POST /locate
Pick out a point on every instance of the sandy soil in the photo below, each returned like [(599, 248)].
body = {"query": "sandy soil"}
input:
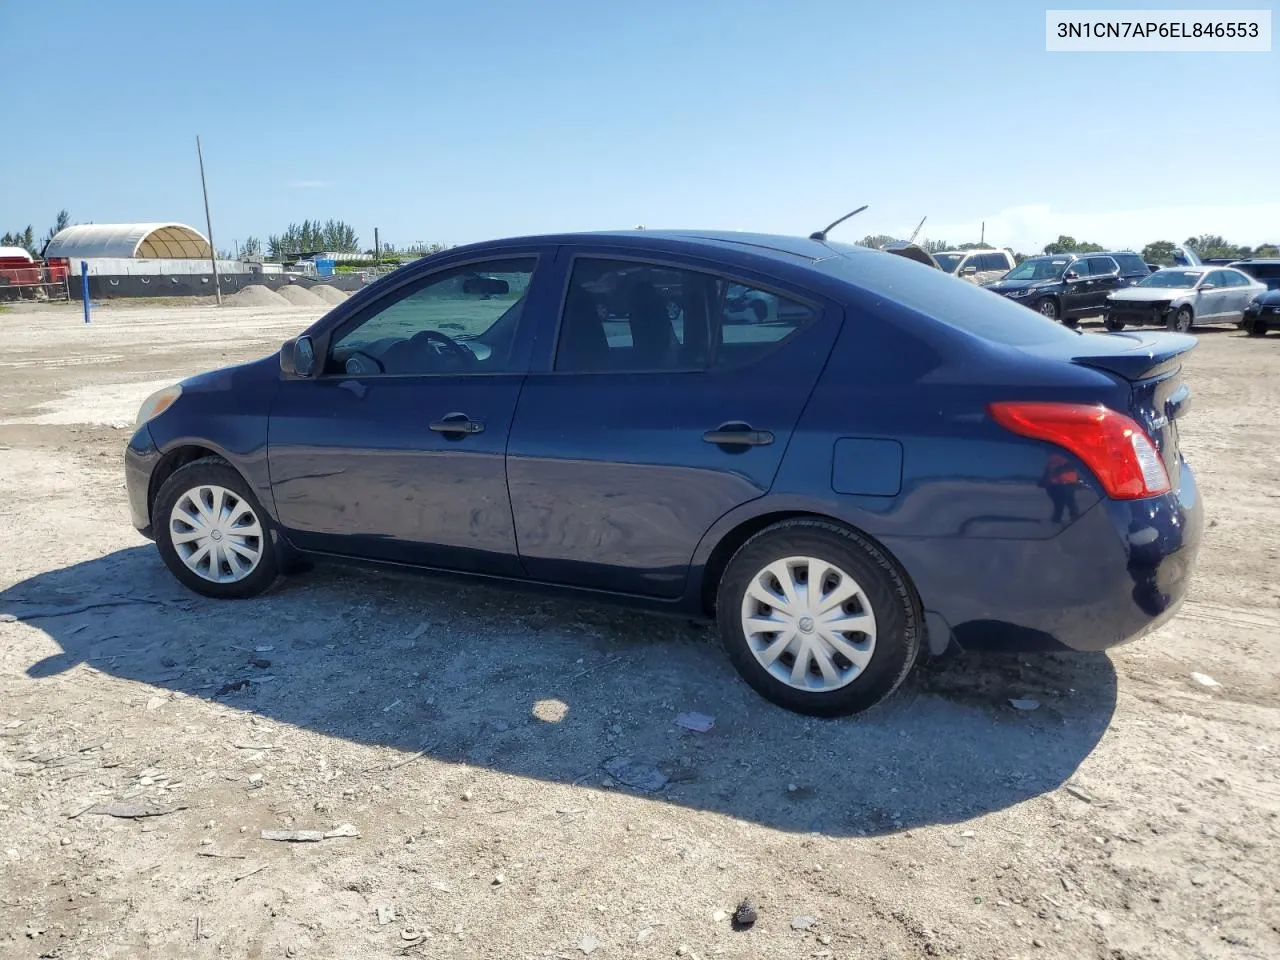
[(462, 732)]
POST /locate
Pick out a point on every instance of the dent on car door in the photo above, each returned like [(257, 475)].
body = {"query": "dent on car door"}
[(655, 418), (396, 450)]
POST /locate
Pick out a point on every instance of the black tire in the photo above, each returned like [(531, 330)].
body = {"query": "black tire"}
[(1180, 321), (1115, 326), (216, 472), (891, 597), (1047, 307), (1256, 328)]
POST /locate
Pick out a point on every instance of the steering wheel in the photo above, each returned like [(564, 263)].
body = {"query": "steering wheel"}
[(452, 348)]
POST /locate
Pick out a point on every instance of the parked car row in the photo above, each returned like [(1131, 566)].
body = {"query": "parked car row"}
[(1123, 290)]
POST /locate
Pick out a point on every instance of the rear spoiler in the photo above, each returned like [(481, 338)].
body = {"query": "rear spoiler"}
[(1135, 356)]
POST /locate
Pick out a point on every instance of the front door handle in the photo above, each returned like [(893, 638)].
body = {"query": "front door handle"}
[(737, 434), (457, 425)]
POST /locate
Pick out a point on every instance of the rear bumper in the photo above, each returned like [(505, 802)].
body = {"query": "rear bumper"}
[(1118, 572), (140, 459)]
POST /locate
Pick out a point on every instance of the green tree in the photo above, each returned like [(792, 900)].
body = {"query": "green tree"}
[(875, 241), (1211, 246), (1267, 250), (1159, 251), (935, 246), (252, 247), (60, 223), (1068, 244), (20, 238)]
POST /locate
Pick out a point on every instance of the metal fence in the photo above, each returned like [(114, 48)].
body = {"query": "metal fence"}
[(34, 283)]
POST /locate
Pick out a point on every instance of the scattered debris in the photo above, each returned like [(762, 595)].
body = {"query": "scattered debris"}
[(232, 687), (633, 773), (588, 945), (264, 648), (719, 916), (133, 811), (643, 934), (1078, 793), (310, 836), (155, 703), (583, 673), (294, 836), (386, 913), (220, 856), (745, 917), (1025, 704), (259, 662), (498, 880), (250, 873), (1205, 680), (802, 923), (417, 632), (254, 746), (697, 722), (792, 788)]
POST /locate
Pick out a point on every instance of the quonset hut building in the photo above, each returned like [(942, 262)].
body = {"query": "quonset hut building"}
[(149, 260)]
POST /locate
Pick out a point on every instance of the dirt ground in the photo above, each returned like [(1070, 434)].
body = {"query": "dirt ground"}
[(462, 732)]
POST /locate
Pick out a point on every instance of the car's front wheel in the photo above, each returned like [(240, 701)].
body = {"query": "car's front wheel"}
[(1112, 324), (1180, 321), (1047, 307), (817, 619), (212, 532), (1255, 328)]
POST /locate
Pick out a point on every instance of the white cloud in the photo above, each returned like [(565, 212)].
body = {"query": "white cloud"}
[(1028, 228), (310, 184)]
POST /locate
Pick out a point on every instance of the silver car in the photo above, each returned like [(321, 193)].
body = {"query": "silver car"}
[(1179, 297)]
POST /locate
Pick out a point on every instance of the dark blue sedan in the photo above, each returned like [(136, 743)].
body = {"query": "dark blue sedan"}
[(846, 458)]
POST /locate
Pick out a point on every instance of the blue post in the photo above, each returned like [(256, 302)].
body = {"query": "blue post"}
[(84, 288)]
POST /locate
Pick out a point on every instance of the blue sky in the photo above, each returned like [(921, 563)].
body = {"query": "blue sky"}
[(455, 122)]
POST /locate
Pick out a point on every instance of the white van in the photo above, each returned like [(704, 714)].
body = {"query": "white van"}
[(976, 266)]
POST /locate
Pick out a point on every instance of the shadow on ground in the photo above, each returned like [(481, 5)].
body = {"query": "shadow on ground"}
[(553, 689)]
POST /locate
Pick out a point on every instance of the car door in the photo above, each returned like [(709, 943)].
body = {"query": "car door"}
[(1242, 292), (395, 450), (1213, 296), (654, 420), (1104, 278), (1076, 288)]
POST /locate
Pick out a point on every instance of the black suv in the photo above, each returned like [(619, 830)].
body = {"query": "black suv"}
[(1263, 313), (1068, 286)]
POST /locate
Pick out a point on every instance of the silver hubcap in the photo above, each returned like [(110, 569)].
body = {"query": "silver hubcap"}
[(1048, 309), (809, 624), (216, 534)]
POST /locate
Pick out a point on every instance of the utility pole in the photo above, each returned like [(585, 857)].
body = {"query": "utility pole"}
[(377, 253), (983, 238), (208, 223)]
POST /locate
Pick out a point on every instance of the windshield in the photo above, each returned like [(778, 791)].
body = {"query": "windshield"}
[(1171, 278), (1038, 269), (948, 261)]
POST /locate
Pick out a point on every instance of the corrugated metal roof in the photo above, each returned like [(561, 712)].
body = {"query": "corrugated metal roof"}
[(129, 240)]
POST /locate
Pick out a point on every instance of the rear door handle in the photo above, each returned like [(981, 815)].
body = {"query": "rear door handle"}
[(457, 424), (738, 435)]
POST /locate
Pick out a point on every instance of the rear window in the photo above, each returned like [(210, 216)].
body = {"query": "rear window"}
[(964, 306), (1131, 265)]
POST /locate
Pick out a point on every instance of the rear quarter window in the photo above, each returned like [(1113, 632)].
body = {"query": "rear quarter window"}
[(1132, 265), (964, 306)]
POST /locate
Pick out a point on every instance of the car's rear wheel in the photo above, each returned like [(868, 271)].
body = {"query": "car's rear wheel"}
[(212, 533), (1047, 307), (1112, 324), (1180, 320), (817, 619)]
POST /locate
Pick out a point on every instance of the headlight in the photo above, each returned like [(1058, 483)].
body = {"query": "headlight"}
[(1024, 293), (157, 403)]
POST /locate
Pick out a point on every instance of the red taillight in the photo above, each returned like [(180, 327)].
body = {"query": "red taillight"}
[(1113, 446)]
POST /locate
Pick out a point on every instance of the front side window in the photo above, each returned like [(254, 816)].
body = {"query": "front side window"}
[(1218, 278), (628, 316), (1101, 266), (1080, 268), (462, 320)]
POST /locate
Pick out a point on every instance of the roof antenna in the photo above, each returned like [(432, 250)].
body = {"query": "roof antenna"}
[(821, 235)]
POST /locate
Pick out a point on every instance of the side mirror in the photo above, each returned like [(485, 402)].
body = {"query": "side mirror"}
[(966, 271), (485, 287), (298, 357), (1071, 275), (1208, 286)]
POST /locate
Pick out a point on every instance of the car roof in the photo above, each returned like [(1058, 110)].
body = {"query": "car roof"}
[(774, 246), (1268, 261)]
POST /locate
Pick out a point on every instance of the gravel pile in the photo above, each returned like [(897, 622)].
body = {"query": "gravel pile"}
[(255, 295), (300, 296), (328, 294)]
